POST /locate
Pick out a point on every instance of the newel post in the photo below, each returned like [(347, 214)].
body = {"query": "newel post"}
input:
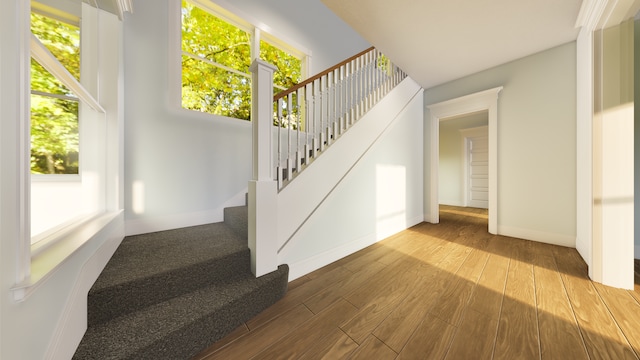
[(263, 189)]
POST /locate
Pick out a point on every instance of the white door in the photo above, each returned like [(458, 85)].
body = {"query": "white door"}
[(478, 171)]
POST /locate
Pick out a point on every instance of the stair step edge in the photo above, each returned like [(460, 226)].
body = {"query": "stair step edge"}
[(108, 302), (183, 326)]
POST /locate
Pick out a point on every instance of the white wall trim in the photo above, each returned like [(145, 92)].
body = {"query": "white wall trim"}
[(483, 100), (539, 236), (590, 13), (308, 265), (73, 321), (150, 224), (584, 146), (313, 263), (56, 255)]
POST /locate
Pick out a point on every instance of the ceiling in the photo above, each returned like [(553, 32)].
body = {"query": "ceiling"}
[(436, 41)]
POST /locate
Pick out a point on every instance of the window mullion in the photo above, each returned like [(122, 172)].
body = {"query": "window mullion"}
[(45, 58), (57, 96)]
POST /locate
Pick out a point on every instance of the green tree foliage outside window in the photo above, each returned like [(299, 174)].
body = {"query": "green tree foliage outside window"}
[(216, 57), (54, 108), (289, 67)]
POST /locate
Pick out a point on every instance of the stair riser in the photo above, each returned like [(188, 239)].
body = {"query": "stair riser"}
[(237, 219), (123, 299), (151, 334), (202, 333)]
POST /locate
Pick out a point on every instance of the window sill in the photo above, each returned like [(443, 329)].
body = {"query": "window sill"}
[(63, 247)]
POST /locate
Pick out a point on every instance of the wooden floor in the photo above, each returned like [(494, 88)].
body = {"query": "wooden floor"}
[(447, 291)]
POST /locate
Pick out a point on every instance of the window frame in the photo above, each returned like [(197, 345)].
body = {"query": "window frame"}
[(35, 264), (69, 19), (41, 54), (256, 29)]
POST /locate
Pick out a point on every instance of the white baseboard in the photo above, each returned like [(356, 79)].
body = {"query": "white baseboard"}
[(539, 236), (315, 262), (637, 252), (175, 221), (73, 321)]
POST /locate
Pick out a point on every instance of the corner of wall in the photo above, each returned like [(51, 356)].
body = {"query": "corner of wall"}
[(175, 221)]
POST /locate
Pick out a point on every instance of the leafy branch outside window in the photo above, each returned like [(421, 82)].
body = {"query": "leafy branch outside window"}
[(54, 108)]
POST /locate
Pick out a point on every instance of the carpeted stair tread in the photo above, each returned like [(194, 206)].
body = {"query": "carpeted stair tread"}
[(181, 327), (161, 252), (237, 218), (155, 267)]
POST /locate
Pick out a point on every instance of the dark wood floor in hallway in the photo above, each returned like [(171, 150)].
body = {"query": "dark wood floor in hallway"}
[(446, 291)]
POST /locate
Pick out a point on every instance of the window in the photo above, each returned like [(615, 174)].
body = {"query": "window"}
[(67, 153), (54, 108), (216, 56)]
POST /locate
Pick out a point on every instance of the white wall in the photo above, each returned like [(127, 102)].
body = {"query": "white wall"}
[(183, 167), (451, 174), (379, 196), (536, 142), (636, 129), (308, 23)]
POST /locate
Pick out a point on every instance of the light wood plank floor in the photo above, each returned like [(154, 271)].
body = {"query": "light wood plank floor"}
[(446, 291)]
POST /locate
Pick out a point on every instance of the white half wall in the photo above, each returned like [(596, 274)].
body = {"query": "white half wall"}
[(367, 197), (536, 141), (183, 167), (636, 129)]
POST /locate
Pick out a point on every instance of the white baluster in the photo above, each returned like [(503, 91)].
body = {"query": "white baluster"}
[(289, 150), (349, 94), (299, 109), (317, 121), (329, 100), (279, 169), (308, 125), (336, 102), (323, 111), (341, 99)]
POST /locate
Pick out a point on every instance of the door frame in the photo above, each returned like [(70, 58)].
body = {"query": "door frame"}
[(486, 100)]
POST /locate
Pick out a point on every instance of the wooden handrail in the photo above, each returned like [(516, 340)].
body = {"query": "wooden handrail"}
[(319, 75)]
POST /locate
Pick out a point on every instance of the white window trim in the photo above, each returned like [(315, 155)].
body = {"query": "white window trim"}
[(45, 58), (229, 13), (35, 264)]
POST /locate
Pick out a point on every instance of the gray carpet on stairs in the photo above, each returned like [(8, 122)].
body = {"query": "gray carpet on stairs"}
[(170, 294)]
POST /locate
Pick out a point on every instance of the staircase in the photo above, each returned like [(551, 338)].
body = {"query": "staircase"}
[(313, 114), (170, 294)]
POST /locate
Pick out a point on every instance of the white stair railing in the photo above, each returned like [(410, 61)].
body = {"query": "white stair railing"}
[(312, 115)]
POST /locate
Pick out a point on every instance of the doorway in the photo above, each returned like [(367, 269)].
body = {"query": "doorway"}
[(464, 161), (482, 101), (476, 166)]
